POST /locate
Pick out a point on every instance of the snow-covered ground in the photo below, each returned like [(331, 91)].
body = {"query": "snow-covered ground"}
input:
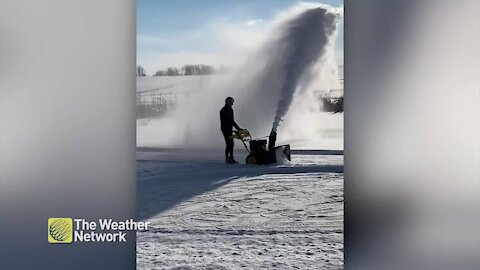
[(208, 215)]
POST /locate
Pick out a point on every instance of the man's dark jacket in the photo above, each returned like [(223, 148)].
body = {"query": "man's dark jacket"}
[(226, 120)]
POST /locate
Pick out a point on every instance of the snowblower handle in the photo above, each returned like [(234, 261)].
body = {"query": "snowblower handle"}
[(242, 134)]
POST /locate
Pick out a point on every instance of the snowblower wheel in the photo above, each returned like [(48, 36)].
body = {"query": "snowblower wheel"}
[(251, 159)]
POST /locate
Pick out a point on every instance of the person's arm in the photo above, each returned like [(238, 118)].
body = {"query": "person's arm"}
[(236, 126)]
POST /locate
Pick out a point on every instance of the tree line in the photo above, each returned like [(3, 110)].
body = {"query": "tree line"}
[(185, 70)]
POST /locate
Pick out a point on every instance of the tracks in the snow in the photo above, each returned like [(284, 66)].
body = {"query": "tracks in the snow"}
[(326, 231)]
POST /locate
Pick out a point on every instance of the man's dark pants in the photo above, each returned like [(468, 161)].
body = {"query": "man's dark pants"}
[(229, 143)]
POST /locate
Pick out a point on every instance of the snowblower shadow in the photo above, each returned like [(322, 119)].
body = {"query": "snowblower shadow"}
[(164, 181)]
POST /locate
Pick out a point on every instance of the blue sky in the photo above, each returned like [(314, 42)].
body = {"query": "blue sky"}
[(168, 31)]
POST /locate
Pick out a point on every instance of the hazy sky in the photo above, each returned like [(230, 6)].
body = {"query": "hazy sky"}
[(174, 33)]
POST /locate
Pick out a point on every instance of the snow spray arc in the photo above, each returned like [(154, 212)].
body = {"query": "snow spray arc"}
[(305, 44), (283, 66)]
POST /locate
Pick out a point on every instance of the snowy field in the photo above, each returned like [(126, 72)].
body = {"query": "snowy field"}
[(205, 214), (209, 215)]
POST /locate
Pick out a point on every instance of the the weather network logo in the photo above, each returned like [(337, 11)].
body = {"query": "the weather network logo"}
[(68, 230), (60, 230)]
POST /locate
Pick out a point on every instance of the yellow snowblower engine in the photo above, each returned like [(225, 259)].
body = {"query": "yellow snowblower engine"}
[(259, 153)]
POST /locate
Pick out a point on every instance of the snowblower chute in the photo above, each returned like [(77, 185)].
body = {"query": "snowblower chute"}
[(259, 153)]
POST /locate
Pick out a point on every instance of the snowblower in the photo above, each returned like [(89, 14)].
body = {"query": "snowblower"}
[(259, 154)]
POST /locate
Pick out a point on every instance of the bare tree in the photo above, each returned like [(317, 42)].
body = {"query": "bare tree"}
[(141, 71), (198, 70), (160, 73)]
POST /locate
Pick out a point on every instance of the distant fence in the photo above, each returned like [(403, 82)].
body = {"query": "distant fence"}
[(332, 101), (155, 104)]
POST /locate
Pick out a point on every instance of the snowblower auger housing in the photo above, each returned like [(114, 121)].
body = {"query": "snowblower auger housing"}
[(259, 154)]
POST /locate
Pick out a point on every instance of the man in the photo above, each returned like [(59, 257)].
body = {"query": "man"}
[(227, 123)]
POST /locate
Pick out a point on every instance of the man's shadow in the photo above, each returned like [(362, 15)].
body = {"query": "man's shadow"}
[(172, 182)]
